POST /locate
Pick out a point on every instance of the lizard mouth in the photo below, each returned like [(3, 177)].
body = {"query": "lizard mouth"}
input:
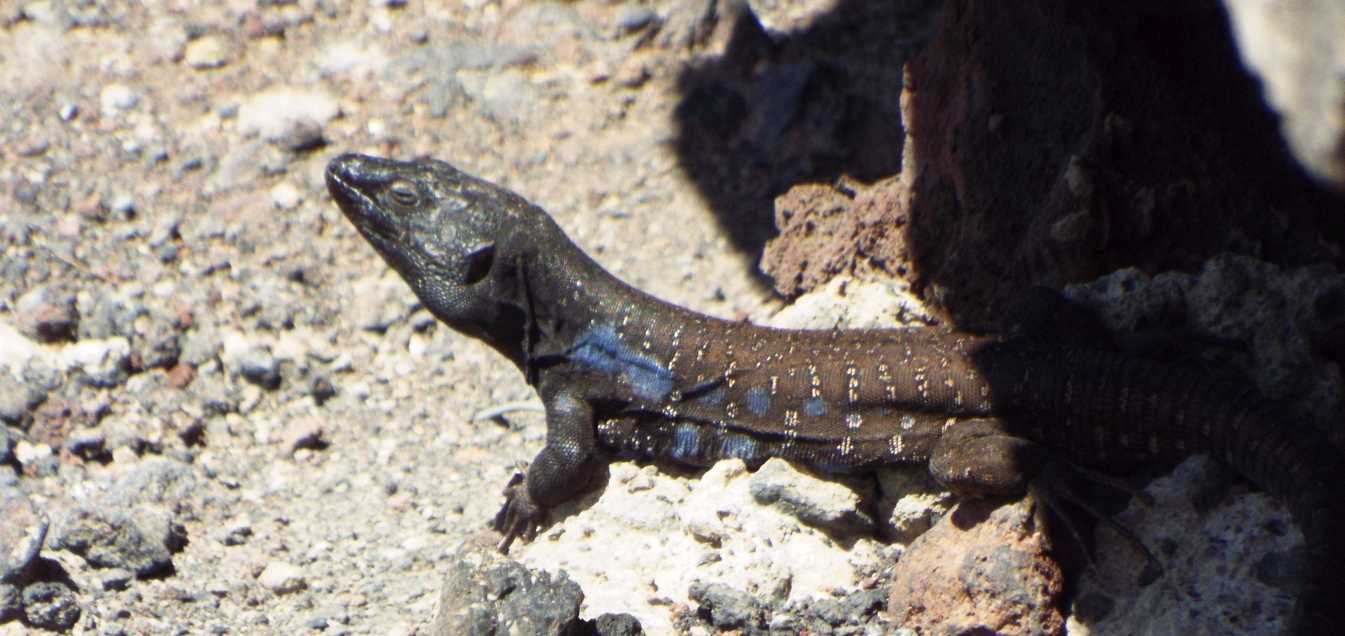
[(345, 176)]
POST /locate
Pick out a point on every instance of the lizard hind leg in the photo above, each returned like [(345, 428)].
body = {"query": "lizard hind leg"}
[(979, 458)]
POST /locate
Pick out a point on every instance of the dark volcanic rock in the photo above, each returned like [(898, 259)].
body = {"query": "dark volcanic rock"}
[(21, 534), (50, 605), (485, 594), (47, 313)]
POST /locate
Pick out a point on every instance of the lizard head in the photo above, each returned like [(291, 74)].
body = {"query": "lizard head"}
[(438, 227)]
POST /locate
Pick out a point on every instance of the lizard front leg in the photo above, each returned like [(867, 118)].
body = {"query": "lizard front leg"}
[(562, 469)]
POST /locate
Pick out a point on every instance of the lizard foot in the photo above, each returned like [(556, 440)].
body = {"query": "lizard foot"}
[(519, 517), (1053, 488)]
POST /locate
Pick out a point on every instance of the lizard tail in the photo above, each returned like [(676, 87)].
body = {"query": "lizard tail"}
[(1294, 461), (1313, 489), (1297, 463), (1291, 460)]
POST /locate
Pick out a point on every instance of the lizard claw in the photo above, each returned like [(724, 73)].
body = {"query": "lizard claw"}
[(519, 517)]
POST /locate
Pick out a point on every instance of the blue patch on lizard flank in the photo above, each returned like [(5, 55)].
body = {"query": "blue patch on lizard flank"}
[(601, 349), (686, 443), (814, 407), (713, 397), (758, 401), (740, 447)]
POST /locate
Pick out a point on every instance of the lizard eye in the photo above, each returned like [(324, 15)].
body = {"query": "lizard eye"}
[(403, 192)]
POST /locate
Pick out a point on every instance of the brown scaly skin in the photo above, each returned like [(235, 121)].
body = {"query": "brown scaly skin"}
[(621, 372)]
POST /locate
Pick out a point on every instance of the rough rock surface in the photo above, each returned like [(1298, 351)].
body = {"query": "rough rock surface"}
[(1296, 49), (245, 367), (21, 534), (983, 568), (1198, 512), (485, 594), (1034, 154), (640, 544)]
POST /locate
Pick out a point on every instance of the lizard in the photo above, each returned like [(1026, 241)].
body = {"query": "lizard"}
[(622, 373)]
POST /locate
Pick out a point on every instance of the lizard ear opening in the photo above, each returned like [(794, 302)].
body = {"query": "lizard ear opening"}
[(479, 260)]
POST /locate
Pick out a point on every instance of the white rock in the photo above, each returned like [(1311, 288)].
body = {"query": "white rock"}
[(117, 98), (272, 112), (285, 196), (282, 578), (27, 452), (209, 51), (15, 348)]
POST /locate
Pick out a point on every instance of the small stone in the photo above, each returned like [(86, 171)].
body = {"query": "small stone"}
[(180, 375), (285, 196), (115, 579), (47, 313), (88, 443), (21, 534), (288, 116), (116, 98), (253, 361), (237, 534), (816, 502), (68, 111), (16, 350), (29, 453), (282, 578), (50, 605), (17, 400), (100, 363), (140, 540), (303, 432), (209, 51), (631, 17), (11, 603)]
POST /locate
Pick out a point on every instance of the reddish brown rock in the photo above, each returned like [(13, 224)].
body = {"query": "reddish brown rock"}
[(982, 569), (1050, 142)]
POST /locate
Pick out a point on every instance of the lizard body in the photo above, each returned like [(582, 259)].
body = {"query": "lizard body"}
[(620, 371)]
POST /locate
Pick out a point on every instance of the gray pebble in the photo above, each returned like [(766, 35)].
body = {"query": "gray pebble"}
[(86, 443), (303, 432), (251, 360), (50, 605), (729, 609), (139, 540), (106, 316), (47, 313), (156, 346), (199, 346), (155, 480), (300, 135), (237, 534), (21, 534), (632, 17), (18, 400), (11, 602), (816, 502), (99, 363), (282, 578), (485, 594), (209, 51), (115, 579)]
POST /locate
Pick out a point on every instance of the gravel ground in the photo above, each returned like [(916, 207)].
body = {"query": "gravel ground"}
[(219, 396)]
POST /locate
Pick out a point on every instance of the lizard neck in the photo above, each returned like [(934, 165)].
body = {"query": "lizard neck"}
[(568, 294)]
